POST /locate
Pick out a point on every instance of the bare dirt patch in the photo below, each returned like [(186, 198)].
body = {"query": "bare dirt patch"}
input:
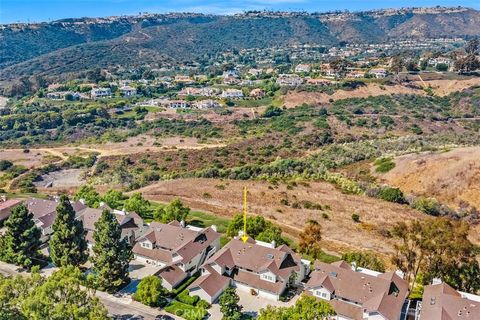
[(445, 87), (224, 198), (441, 87), (33, 159), (293, 99)]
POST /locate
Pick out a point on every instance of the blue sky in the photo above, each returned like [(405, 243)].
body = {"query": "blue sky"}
[(46, 10)]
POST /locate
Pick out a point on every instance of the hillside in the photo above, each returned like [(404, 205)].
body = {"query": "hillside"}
[(75, 45), (451, 177), (224, 198)]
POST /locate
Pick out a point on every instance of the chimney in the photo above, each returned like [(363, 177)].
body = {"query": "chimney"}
[(274, 244), (214, 227), (354, 266), (436, 281), (82, 201), (182, 223), (4, 198)]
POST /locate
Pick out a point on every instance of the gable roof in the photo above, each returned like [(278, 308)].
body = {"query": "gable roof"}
[(8, 204), (171, 239), (385, 293), (253, 257), (442, 302)]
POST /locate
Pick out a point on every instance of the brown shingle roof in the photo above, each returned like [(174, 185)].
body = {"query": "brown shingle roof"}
[(9, 203), (170, 239), (172, 274), (443, 302), (212, 283), (385, 293), (257, 258)]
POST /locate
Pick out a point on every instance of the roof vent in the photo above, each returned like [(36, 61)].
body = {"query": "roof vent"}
[(333, 274), (269, 256)]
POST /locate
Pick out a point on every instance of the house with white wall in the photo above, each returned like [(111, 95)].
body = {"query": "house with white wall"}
[(256, 267), (357, 293), (177, 248)]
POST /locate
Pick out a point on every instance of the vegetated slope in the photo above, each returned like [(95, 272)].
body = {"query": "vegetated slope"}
[(340, 232), (451, 177), (79, 44)]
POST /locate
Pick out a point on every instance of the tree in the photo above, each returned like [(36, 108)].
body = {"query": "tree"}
[(111, 254), (150, 291), (59, 296), (21, 241), (442, 67), (229, 305), (272, 111), (175, 210), (67, 245), (89, 195), (436, 248), (113, 198), (138, 204), (305, 308), (310, 238), (470, 62), (257, 227), (339, 66), (365, 260), (5, 164)]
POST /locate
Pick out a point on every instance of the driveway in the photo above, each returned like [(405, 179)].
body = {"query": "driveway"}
[(251, 304), (138, 270)]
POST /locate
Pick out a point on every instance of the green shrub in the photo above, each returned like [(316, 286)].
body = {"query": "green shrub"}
[(384, 165), (391, 194), (187, 299), (5, 164), (356, 217)]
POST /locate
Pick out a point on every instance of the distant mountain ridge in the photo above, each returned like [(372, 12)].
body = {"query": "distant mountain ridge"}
[(74, 45)]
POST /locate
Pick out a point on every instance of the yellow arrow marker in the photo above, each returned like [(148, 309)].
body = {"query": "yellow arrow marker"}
[(245, 237)]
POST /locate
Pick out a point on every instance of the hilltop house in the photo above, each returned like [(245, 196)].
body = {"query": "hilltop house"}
[(303, 68), (206, 104), (177, 248), (257, 93), (256, 267), (440, 301), (232, 94), (378, 73), (289, 80), (127, 91), (357, 293), (100, 93), (176, 104)]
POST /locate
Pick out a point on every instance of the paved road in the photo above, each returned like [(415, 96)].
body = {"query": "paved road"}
[(119, 308)]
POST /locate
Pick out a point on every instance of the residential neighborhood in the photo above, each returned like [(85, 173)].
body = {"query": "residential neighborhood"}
[(180, 254)]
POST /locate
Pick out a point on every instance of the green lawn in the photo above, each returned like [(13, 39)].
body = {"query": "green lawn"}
[(202, 219), (199, 219)]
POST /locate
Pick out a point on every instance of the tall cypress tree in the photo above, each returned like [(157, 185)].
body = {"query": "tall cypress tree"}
[(67, 245), (111, 254), (21, 241)]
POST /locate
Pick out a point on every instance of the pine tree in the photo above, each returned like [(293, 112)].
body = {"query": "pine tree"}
[(21, 241), (111, 254), (67, 245)]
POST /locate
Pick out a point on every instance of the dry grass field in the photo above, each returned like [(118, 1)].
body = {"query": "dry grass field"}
[(451, 177), (224, 198), (439, 87)]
